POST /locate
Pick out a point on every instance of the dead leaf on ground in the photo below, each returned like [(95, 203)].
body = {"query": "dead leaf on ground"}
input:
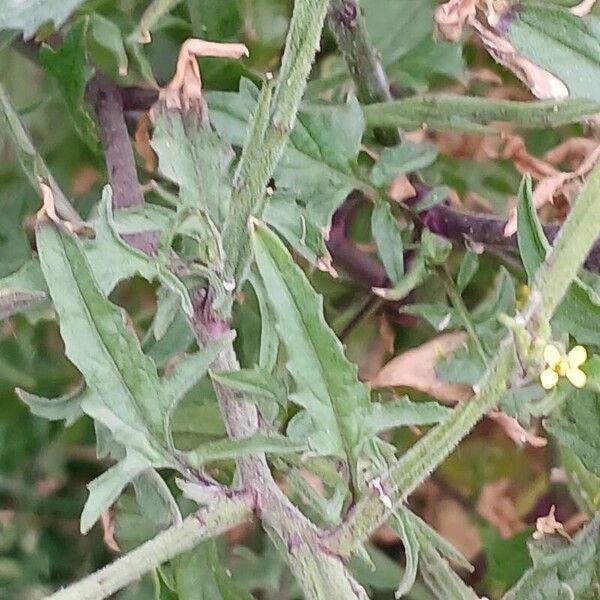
[(483, 16), (142, 142), (416, 369), (448, 516), (551, 181), (377, 350), (497, 507), (515, 432)]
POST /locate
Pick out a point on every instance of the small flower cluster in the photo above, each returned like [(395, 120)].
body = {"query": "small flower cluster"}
[(561, 365)]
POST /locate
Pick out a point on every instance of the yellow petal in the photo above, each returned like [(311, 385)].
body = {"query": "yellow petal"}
[(577, 377), (577, 356), (548, 378), (551, 355)]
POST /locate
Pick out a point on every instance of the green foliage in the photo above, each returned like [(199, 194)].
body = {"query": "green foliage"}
[(29, 18), (561, 569), (570, 45), (219, 342), (68, 65)]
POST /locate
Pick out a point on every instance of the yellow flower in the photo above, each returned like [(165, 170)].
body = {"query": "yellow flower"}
[(560, 365)]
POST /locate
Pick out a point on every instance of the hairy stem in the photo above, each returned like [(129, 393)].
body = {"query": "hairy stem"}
[(573, 243), (348, 26), (204, 524), (320, 574), (301, 46)]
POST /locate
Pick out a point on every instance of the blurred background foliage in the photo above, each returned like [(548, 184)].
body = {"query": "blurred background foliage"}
[(44, 466)]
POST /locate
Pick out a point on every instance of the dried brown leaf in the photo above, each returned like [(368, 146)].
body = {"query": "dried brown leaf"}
[(548, 525), (185, 89), (142, 142), (515, 432), (416, 369), (497, 507), (108, 527), (583, 8), (451, 18)]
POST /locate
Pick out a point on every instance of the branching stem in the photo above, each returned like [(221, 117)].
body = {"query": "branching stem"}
[(348, 26), (202, 525), (573, 244)]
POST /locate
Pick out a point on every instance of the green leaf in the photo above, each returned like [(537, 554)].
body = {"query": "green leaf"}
[(410, 540), (188, 371), (327, 386), (28, 17), (579, 312), (533, 245), (106, 45), (68, 65), (464, 113), (294, 223), (253, 382), (507, 559), (388, 239), (318, 162), (433, 251), (402, 413), (201, 575), (584, 486), (30, 161), (432, 539), (269, 341), (104, 490), (566, 45), (440, 578), (403, 158), (577, 427), (561, 570), (468, 268), (125, 385), (115, 260), (230, 112), (67, 408), (192, 155), (226, 448)]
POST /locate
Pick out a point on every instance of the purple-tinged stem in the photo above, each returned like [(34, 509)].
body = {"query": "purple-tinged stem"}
[(105, 96), (488, 230)]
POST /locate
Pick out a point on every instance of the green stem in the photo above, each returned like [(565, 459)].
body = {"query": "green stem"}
[(571, 247), (248, 196), (204, 524), (461, 309), (577, 236), (348, 26), (422, 458)]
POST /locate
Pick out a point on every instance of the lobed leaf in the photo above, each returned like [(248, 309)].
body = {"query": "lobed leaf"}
[(327, 386), (123, 380)]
